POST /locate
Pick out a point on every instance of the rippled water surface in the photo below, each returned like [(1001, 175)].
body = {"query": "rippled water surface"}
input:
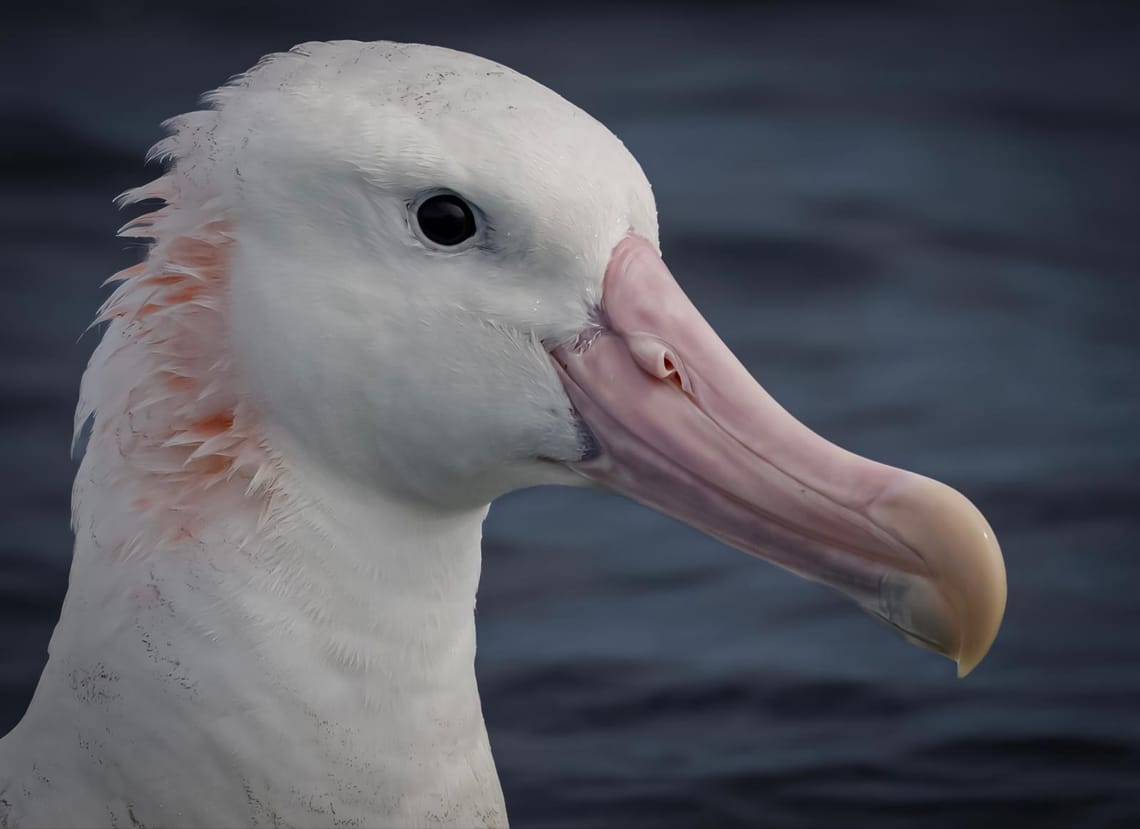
[(917, 228)]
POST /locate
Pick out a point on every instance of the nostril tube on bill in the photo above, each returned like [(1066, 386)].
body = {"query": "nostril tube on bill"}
[(658, 360)]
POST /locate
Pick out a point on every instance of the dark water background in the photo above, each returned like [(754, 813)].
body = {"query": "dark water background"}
[(917, 225)]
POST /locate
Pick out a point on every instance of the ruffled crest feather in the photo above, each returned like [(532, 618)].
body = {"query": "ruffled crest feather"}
[(160, 385)]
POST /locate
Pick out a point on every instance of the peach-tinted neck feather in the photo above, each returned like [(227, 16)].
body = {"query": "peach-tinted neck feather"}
[(161, 384)]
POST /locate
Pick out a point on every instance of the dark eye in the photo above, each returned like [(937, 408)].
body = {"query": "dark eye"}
[(446, 219)]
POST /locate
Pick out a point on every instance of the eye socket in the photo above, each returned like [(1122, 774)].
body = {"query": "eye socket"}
[(446, 219)]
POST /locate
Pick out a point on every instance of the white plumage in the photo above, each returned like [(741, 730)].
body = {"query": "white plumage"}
[(270, 616)]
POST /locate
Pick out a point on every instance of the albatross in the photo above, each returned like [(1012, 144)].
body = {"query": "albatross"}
[(384, 285)]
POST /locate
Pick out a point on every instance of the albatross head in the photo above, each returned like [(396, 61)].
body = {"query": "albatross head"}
[(445, 283), (415, 228)]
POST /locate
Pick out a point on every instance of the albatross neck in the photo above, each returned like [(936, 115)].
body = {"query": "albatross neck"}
[(373, 593), (360, 607), (327, 657)]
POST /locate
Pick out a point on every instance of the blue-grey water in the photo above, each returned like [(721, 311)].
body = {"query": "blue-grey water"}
[(918, 225)]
